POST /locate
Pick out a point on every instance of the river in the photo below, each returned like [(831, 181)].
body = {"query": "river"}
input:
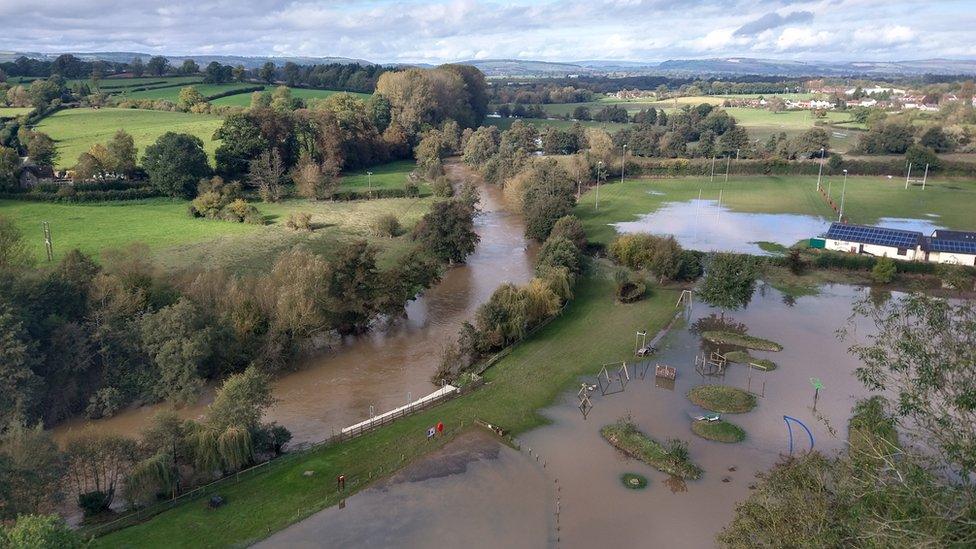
[(390, 365)]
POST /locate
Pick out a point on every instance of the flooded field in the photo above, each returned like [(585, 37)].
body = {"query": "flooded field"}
[(475, 493), (708, 225), (390, 365), (597, 509)]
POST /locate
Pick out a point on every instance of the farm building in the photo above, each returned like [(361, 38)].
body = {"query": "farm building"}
[(953, 247)]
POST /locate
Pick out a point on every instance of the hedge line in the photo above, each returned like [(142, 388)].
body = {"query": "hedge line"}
[(236, 91), (84, 196), (377, 193), (703, 166)]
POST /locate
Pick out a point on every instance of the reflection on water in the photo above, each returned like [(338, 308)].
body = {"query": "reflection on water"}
[(709, 226), (596, 510), (389, 366), (474, 493)]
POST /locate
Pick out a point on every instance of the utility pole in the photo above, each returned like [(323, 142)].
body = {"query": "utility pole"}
[(599, 175), (925, 176), (820, 172), (728, 164), (48, 243), (369, 184), (737, 155), (843, 194), (712, 177)]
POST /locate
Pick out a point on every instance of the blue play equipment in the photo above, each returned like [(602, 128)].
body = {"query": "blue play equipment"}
[(788, 419)]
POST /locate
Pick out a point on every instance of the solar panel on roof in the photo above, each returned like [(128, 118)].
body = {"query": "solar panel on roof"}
[(874, 235)]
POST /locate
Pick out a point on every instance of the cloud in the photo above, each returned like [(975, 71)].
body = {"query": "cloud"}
[(888, 35), (773, 20), (793, 38)]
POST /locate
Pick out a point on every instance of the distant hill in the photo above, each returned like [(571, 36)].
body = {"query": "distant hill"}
[(746, 65), (247, 61)]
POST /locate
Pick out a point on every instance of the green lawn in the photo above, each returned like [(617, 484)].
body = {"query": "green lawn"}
[(868, 199), (244, 99), (76, 130), (386, 176), (173, 93), (177, 240), (531, 377), (14, 112)]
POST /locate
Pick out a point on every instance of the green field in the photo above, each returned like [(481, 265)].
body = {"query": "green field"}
[(76, 130), (244, 99), (177, 240), (173, 93), (387, 176), (868, 199), (113, 85), (14, 112), (532, 376), (506, 123)]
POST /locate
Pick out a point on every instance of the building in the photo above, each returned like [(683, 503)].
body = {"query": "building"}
[(952, 247)]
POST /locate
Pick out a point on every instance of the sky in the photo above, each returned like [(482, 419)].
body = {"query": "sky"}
[(435, 31)]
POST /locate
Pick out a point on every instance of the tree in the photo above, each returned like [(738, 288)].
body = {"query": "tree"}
[(936, 139), (267, 174), (96, 463), (175, 163), (315, 181), (730, 280), (920, 156), (267, 72), (482, 144), (137, 67), (884, 270), (9, 163), (189, 67), (922, 353), (548, 196), (41, 149), (19, 384), (570, 227), (581, 113), (31, 469), (180, 344), (122, 153), (44, 92), (15, 253), (352, 287), (190, 96), (40, 531), (447, 231), (158, 65), (241, 141), (87, 167), (241, 401), (558, 251)]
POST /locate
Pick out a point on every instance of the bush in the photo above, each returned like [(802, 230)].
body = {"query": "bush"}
[(93, 503), (410, 189), (387, 225), (442, 187), (569, 227), (299, 221), (884, 270)]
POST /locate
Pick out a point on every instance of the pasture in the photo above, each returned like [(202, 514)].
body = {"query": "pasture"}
[(386, 176), (76, 130), (172, 93), (14, 112), (244, 99), (868, 199), (540, 123), (177, 240)]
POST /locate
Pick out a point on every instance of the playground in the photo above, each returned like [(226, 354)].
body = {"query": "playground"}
[(729, 447)]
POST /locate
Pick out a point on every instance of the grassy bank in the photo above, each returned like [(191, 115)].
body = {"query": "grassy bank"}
[(177, 240), (719, 431), (626, 437), (742, 357), (868, 199), (76, 130), (742, 340), (529, 378), (722, 399)]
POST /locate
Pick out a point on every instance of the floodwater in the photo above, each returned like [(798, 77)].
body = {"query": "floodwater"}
[(390, 365), (707, 225), (596, 509), (474, 493)]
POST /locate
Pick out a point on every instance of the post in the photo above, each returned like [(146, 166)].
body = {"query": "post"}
[(728, 164), (820, 171), (623, 163), (909, 176), (48, 244), (925, 176), (712, 177), (369, 184), (737, 155), (843, 194)]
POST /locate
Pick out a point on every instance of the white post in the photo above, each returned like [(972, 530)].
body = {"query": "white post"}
[(623, 163), (909, 176), (712, 177), (820, 171), (599, 174), (843, 194), (925, 177), (369, 184), (728, 164)]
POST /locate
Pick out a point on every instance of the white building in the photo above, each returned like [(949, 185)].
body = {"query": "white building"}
[(952, 247)]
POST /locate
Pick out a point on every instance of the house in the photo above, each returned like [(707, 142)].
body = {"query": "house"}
[(943, 246), (31, 174), (877, 241)]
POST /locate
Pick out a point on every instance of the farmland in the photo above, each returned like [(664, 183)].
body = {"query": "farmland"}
[(13, 112), (387, 176), (868, 199), (76, 130), (540, 123), (244, 99), (172, 93)]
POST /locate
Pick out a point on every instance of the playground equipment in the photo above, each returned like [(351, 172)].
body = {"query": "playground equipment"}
[(789, 429), (712, 365), (607, 384)]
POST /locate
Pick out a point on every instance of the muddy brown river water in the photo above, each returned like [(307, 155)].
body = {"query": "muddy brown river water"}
[(388, 366)]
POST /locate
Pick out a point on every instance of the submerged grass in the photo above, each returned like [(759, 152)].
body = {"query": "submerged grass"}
[(674, 460), (719, 431), (742, 340), (722, 399), (743, 357)]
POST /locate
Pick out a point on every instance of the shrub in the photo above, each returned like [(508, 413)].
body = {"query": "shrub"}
[(410, 189), (884, 270), (299, 221), (93, 503), (558, 252), (442, 187), (387, 225), (569, 227)]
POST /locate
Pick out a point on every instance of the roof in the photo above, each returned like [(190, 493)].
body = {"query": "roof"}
[(879, 236), (952, 242)]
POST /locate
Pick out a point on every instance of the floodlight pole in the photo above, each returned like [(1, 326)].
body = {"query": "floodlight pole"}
[(737, 155), (599, 175), (925, 176), (623, 162), (909, 176), (728, 164), (712, 177), (820, 171), (840, 215), (369, 183)]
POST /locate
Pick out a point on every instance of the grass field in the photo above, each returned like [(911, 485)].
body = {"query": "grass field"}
[(173, 93), (177, 240), (14, 112), (868, 199), (76, 130), (387, 176), (722, 399), (506, 123), (244, 99), (529, 378)]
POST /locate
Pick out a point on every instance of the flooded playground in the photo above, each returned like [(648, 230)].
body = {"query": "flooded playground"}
[(709, 225), (390, 365)]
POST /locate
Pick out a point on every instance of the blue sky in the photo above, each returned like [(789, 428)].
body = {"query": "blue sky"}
[(450, 30)]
